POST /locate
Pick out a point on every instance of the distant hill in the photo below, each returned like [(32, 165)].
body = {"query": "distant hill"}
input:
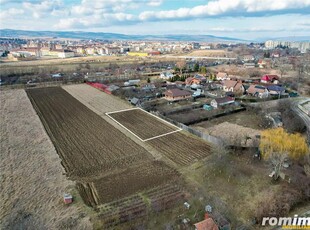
[(288, 39), (112, 36), (294, 38)]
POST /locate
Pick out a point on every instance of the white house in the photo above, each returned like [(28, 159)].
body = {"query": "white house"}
[(66, 54), (218, 102), (166, 75), (220, 76)]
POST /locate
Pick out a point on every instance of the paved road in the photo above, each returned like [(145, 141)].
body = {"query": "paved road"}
[(300, 113), (201, 57), (296, 109)]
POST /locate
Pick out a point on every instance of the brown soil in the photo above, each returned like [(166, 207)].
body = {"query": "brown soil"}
[(142, 124), (107, 164), (181, 148), (32, 182), (86, 143)]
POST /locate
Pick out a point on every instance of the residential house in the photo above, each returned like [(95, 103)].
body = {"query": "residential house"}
[(45, 51), (207, 224), (171, 85), (112, 88), (248, 58), (135, 101), (270, 79), (154, 53), (221, 221), (53, 52), (219, 102), (275, 54), (110, 50), (249, 65), (197, 80), (220, 76), (80, 50), (90, 50), (177, 94), (65, 54), (148, 87), (166, 75), (262, 63), (233, 86), (258, 91), (100, 51), (132, 82), (26, 52), (198, 93), (180, 84), (58, 47), (275, 90)]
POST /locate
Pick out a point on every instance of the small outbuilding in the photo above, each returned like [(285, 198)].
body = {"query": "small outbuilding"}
[(68, 199), (207, 107), (218, 102)]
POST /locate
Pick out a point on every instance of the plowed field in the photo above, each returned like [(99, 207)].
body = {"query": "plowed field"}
[(181, 148), (107, 164), (149, 175), (142, 124), (86, 143)]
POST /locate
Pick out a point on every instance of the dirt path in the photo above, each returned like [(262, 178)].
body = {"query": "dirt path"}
[(31, 176)]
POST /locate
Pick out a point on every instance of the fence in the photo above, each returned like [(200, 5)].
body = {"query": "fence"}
[(183, 109), (204, 136), (99, 86), (197, 120), (303, 109)]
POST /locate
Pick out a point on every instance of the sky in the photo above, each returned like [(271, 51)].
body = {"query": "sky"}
[(244, 19)]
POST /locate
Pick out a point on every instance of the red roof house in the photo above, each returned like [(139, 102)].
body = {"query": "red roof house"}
[(207, 224), (269, 78)]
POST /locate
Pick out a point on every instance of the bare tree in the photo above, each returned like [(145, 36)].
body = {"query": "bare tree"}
[(181, 65), (277, 161)]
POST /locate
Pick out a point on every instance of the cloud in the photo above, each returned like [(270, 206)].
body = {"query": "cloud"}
[(88, 7), (226, 8), (93, 21), (306, 24), (5, 14), (253, 29), (2, 2), (41, 8), (155, 2), (99, 13)]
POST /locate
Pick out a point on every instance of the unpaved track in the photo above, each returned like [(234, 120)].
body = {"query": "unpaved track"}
[(31, 177), (96, 100)]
